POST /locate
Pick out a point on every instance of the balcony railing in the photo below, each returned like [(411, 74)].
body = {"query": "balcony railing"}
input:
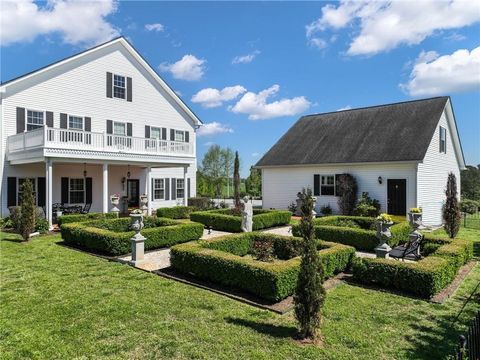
[(84, 140)]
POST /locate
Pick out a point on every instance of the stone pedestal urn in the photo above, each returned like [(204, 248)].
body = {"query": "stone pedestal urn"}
[(115, 200), (383, 234), (137, 240), (143, 204), (415, 220)]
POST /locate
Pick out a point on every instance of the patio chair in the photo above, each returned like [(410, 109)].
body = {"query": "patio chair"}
[(86, 208), (409, 251)]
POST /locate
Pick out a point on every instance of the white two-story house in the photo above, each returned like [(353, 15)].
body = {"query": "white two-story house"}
[(98, 123)]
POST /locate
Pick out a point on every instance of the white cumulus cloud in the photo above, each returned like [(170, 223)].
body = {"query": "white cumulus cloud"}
[(213, 128), (155, 27), (245, 59), (435, 75), (210, 98), (257, 107), (384, 25), (187, 68), (77, 22)]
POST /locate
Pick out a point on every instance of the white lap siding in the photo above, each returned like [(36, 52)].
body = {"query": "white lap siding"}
[(281, 185), (433, 173)]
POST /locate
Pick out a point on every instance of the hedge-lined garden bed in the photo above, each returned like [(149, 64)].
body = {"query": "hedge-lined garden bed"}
[(227, 220), (175, 212), (356, 231), (228, 260), (423, 278), (66, 219), (112, 236)]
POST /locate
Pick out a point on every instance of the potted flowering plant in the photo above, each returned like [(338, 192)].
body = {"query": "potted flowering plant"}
[(383, 221), (415, 217)]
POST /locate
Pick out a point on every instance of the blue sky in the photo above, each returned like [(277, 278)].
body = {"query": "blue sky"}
[(277, 60)]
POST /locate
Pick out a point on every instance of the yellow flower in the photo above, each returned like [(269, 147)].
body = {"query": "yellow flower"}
[(415, 210), (384, 217)]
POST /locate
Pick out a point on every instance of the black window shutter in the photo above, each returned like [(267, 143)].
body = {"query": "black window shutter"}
[(64, 192), (174, 189), (152, 195), (11, 191), (129, 89), (88, 190), (187, 136), (172, 134), (164, 133), (337, 183), (20, 120), (316, 185), (49, 118), (147, 131), (445, 137), (440, 140), (88, 124), (42, 191), (109, 127), (63, 121), (109, 84), (188, 188), (129, 129), (167, 188)]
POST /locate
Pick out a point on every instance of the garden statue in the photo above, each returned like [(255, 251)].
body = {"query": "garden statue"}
[(247, 215), (384, 221), (115, 199), (138, 241)]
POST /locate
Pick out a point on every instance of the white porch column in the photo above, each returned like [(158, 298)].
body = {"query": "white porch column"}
[(185, 186), (149, 190), (49, 202), (105, 188)]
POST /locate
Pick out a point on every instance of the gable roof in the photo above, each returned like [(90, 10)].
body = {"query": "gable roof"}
[(129, 47), (385, 133)]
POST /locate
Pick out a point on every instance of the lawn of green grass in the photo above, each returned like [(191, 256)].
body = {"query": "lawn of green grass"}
[(61, 303)]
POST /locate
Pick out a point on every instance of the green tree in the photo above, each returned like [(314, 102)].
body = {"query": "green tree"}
[(451, 209), (347, 193), (470, 179), (204, 185), (227, 159), (213, 168), (27, 217), (253, 183), (309, 294), (236, 181)]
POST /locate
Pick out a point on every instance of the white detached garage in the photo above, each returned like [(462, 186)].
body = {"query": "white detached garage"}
[(399, 153)]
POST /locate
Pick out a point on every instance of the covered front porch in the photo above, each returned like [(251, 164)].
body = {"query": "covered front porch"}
[(89, 184)]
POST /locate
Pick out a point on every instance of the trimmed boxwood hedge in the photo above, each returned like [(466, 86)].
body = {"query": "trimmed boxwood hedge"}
[(423, 278), (361, 238), (112, 237), (65, 219), (175, 212), (224, 220), (222, 260)]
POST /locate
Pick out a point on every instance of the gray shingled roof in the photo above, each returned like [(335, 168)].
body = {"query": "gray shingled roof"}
[(393, 132)]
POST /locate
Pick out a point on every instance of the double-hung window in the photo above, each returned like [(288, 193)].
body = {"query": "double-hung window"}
[(76, 191), (75, 122), (35, 119), (21, 181), (179, 135), (119, 128), (155, 132), (159, 189), (180, 188), (327, 186), (119, 86), (443, 140)]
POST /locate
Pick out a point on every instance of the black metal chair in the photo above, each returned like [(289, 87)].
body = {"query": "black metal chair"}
[(409, 251), (86, 208)]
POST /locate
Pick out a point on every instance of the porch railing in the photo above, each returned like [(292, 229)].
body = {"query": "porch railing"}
[(84, 140)]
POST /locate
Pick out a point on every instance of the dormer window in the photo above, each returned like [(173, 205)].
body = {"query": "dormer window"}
[(443, 140), (34, 119), (119, 86)]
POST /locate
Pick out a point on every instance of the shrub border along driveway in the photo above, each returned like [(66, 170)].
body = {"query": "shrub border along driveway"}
[(92, 236), (222, 261), (223, 221)]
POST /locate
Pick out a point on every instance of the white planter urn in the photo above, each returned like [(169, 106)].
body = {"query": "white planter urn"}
[(383, 234), (298, 212), (143, 204), (115, 200), (415, 220), (137, 240)]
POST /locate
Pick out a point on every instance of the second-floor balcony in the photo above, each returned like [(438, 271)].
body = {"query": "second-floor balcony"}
[(72, 140)]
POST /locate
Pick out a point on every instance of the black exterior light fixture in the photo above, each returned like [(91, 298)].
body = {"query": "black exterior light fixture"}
[(84, 170), (380, 180), (128, 172)]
